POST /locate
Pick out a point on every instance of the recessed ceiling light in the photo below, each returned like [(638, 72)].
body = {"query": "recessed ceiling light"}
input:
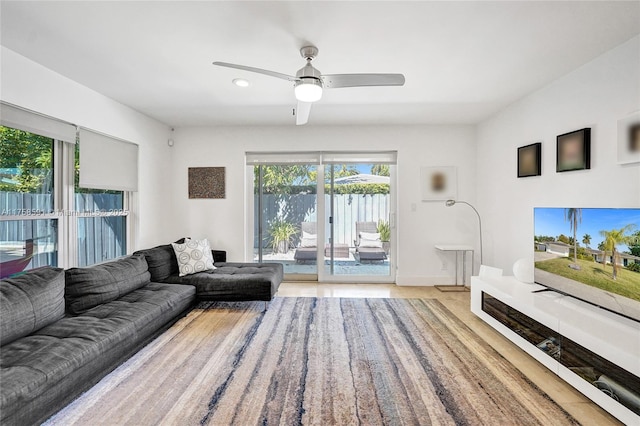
[(241, 82)]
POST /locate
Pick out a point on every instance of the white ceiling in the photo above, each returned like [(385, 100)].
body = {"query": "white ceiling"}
[(463, 61)]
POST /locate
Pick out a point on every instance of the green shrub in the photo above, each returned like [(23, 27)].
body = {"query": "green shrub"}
[(635, 267), (384, 229)]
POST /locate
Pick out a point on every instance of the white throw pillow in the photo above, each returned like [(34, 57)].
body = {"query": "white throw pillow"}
[(193, 256), (369, 236), (366, 243), (308, 242), (370, 243)]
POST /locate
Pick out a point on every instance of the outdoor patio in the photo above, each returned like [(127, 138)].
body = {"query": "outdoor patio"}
[(341, 266)]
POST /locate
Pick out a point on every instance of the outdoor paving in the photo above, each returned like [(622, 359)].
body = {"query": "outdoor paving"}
[(342, 266)]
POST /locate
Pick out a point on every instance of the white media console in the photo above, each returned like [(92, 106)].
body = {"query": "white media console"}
[(594, 350)]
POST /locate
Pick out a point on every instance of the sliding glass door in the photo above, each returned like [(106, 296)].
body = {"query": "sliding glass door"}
[(358, 220), (351, 239), (285, 215)]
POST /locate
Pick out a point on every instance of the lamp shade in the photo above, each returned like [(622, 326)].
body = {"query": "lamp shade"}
[(308, 90)]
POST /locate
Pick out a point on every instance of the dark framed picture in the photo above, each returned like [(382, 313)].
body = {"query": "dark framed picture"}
[(529, 160), (573, 151), (206, 182), (629, 139)]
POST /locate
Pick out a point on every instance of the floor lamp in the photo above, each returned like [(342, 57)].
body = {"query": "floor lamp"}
[(451, 203)]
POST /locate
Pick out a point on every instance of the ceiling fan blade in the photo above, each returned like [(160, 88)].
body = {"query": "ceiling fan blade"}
[(334, 81), (257, 70), (302, 113)]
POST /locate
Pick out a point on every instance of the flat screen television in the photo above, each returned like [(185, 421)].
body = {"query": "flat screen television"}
[(592, 254)]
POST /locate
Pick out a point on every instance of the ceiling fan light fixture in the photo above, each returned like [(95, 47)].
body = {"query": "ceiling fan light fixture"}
[(308, 90)]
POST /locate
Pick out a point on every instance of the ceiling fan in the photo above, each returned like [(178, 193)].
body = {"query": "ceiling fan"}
[(309, 82)]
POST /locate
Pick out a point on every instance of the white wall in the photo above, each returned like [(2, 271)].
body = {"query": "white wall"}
[(595, 95), (32, 86), (223, 221)]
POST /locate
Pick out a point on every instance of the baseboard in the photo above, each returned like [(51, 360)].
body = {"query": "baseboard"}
[(423, 280)]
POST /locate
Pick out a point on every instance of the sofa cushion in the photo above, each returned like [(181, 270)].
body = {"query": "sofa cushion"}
[(87, 288), (162, 261), (73, 351), (30, 301), (236, 281)]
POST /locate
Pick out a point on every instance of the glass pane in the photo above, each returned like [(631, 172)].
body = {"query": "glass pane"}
[(27, 244), (26, 189), (26, 173), (357, 203), (100, 237), (285, 205)]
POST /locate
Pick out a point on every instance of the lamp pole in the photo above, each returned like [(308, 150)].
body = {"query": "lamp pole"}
[(450, 203)]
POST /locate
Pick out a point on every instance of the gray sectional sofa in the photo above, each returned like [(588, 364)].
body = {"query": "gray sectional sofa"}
[(62, 331), (228, 282)]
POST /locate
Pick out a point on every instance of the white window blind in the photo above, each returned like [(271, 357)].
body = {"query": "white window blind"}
[(28, 121), (283, 158), (338, 157), (371, 157), (107, 163)]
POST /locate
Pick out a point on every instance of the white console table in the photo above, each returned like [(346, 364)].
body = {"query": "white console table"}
[(611, 337)]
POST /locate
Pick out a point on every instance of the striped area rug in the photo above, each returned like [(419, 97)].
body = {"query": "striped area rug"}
[(317, 362)]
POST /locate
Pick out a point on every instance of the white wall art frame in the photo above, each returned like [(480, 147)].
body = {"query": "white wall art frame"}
[(629, 139), (438, 183)]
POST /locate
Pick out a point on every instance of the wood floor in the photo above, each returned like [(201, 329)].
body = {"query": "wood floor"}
[(579, 406)]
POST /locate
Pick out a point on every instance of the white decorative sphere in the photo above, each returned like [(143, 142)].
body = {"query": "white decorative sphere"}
[(523, 270)]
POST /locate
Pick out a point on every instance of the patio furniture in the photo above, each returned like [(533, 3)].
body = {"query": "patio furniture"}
[(340, 251), (307, 252), (368, 253)]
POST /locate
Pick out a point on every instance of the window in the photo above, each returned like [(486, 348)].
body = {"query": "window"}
[(46, 218), (28, 225), (101, 222)]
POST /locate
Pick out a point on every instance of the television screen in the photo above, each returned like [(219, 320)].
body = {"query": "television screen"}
[(591, 254)]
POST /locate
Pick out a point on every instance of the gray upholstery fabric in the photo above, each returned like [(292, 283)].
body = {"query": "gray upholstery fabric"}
[(162, 261), (306, 253), (90, 287), (371, 253), (117, 310), (48, 369), (163, 264), (236, 281), (29, 302)]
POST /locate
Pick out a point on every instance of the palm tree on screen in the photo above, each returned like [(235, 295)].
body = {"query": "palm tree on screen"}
[(574, 216), (612, 239)]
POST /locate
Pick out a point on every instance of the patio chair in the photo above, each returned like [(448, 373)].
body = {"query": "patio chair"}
[(306, 251), (368, 253)]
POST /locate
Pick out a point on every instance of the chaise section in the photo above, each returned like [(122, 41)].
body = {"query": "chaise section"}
[(237, 281), (228, 282)]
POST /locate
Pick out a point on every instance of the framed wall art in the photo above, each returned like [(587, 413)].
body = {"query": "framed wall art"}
[(529, 160), (438, 183), (573, 151), (206, 182), (629, 139)]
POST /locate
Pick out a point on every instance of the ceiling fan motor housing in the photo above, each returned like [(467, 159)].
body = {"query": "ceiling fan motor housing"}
[(308, 71)]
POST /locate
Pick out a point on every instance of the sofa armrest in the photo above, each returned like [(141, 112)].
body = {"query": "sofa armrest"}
[(219, 256)]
